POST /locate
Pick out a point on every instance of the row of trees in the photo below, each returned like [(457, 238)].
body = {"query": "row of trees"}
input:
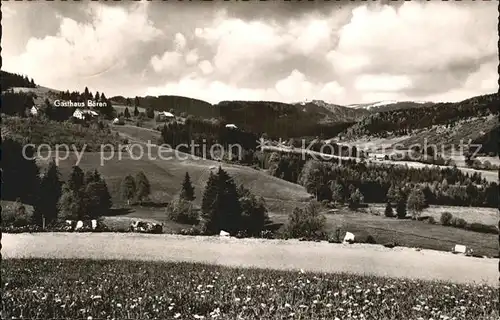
[(83, 196), (404, 121), (207, 133), (447, 186), (224, 207), (137, 188), (11, 80)]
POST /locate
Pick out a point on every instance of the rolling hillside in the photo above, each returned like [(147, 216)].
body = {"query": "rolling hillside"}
[(166, 176), (383, 106)]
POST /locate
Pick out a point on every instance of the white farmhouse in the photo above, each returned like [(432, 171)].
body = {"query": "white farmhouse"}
[(164, 115), (34, 111), (231, 126), (82, 113)]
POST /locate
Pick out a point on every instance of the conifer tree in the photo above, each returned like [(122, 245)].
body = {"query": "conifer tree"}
[(126, 113), (136, 111), (128, 188), (143, 187), (187, 192), (401, 209), (221, 209), (48, 196), (77, 179)]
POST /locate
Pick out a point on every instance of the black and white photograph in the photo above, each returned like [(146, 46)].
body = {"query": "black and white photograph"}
[(248, 160)]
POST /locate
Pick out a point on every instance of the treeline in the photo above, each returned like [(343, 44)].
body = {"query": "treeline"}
[(83, 196), (206, 134), (17, 104), (280, 120), (447, 186), (224, 207), (20, 103), (177, 104), (40, 130), (11, 80), (404, 120), (75, 96)]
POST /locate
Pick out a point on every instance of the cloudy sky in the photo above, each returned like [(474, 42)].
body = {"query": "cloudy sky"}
[(342, 53)]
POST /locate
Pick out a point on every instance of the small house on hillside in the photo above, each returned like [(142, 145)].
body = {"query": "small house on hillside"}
[(83, 114), (231, 126), (35, 111), (377, 156), (164, 115)]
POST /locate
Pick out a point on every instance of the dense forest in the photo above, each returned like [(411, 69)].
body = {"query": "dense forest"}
[(441, 186), (404, 120), (11, 80), (208, 133)]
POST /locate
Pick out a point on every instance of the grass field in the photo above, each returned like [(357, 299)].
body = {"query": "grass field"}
[(85, 289), (166, 176), (488, 216), (408, 233), (360, 259)]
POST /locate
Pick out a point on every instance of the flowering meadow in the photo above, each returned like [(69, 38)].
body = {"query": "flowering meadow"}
[(98, 289)]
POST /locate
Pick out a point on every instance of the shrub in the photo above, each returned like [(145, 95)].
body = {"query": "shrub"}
[(431, 220), (446, 218), (20, 221), (388, 210), (182, 211), (370, 239), (193, 231), (483, 228), (308, 222), (459, 223)]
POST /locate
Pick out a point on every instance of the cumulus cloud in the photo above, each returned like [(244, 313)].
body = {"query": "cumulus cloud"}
[(293, 88), (206, 67), (192, 57), (170, 61), (425, 48), (349, 54), (82, 50)]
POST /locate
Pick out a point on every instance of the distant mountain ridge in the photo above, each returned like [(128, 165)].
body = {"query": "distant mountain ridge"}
[(306, 118)]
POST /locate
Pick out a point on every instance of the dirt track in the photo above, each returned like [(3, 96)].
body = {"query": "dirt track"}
[(275, 254)]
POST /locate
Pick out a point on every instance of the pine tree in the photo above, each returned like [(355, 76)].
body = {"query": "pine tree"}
[(96, 194), (143, 188), (150, 113), (77, 179), (128, 188), (98, 199), (254, 212), (136, 102), (97, 96), (136, 111), (48, 196), (19, 172), (401, 209), (126, 113), (128, 102), (187, 191), (221, 208)]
